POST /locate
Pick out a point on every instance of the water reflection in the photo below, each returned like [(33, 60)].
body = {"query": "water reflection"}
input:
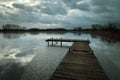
[(111, 38), (44, 63), (24, 54), (26, 57), (12, 64), (108, 55), (13, 35), (11, 71)]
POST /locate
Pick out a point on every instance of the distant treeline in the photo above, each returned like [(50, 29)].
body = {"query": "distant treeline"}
[(108, 26), (94, 27)]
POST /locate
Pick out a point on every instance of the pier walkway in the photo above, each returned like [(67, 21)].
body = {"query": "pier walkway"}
[(79, 64)]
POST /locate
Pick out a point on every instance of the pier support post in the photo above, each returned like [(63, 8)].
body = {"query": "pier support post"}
[(52, 41), (61, 42), (69, 50), (48, 43)]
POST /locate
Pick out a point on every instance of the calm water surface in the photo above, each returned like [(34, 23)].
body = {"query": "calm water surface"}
[(27, 57)]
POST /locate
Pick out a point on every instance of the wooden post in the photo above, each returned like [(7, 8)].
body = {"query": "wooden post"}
[(48, 43), (52, 41), (61, 42), (69, 50)]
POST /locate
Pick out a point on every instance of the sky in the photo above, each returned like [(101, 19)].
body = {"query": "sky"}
[(59, 13)]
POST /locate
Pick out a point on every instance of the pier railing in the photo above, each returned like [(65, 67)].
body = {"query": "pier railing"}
[(65, 40)]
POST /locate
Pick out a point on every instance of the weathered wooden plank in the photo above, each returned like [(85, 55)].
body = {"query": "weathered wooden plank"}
[(82, 47), (67, 40), (79, 65)]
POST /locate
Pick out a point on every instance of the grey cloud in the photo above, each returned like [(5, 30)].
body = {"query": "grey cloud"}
[(84, 7), (3, 5), (49, 8), (107, 9), (23, 17), (20, 6), (6, 0), (58, 12), (73, 5), (2, 18), (101, 9), (106, 5), (52, 8), (23, 7), (83, 21)]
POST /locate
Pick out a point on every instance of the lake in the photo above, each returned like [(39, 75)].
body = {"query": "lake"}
[(26, 56)]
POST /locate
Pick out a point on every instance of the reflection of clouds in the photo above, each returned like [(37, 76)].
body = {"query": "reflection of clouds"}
[(41, 36), (10, 70), (25, 60), (12, 53), (44, 63), (17, 55), (109, 57), (19, 52)]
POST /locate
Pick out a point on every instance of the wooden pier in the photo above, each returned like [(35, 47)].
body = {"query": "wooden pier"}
[(52, 40), (79, 64)]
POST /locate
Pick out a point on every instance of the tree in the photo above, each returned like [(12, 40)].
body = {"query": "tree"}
[(12, 27), (77, 28), (111, 26)]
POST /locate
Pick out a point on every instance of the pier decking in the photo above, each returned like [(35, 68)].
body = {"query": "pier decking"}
[(79, 64)]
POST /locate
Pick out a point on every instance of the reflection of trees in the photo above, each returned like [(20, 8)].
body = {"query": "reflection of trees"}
[(17, 34), (10, 35), (63, 32), (107, 36), (55, 32), (34, 32), (108, 40), (110, 37)]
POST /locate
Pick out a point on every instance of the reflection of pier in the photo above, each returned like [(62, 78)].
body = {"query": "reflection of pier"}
[(79, 63), (65, 40)]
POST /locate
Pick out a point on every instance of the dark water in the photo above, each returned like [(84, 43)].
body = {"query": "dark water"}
[(25, 56)]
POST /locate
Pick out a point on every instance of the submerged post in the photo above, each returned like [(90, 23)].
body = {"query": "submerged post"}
[(61, 42), (48, 43), (52, 41), (69, 50)]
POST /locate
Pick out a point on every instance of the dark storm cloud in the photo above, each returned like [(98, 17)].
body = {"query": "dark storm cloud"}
[(74, 4), (17, 5), (71, 3), (106, 6), (64, 13), (24, 8), (45, 7), (52, 8), (108, 9), (84, 7)]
